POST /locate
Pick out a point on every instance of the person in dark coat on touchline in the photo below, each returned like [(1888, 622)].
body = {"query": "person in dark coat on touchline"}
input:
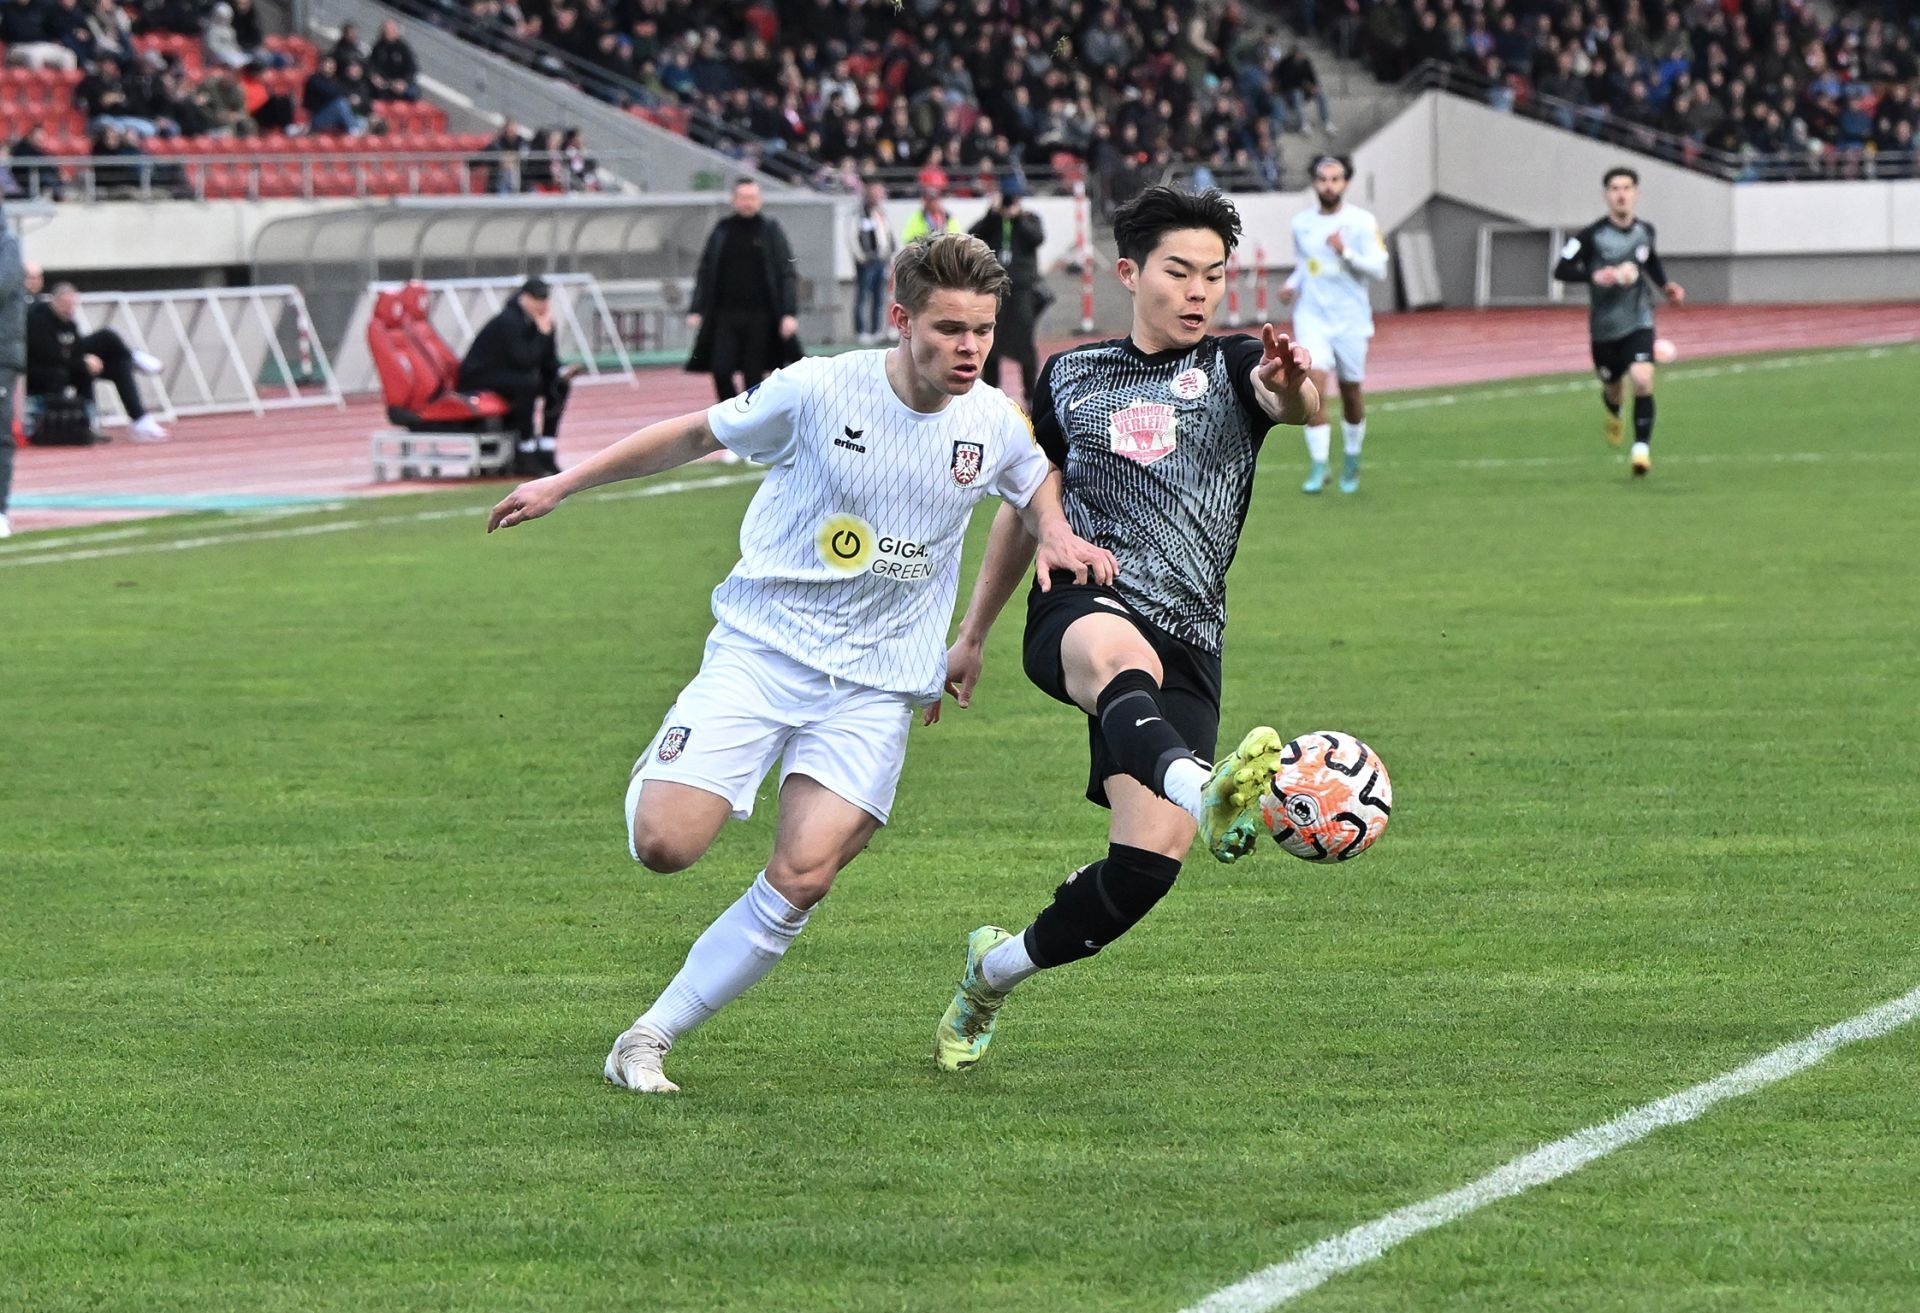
[(745, 305)]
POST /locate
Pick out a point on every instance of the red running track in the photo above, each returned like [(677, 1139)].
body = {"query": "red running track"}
[(323, 453)]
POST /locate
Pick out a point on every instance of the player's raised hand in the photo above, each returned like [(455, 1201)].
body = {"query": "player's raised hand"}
[(1068, 551), (1283, 362), (964, 660), (529, 501)]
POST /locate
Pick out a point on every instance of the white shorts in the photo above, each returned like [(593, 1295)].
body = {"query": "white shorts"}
[(1344, 352), (750, 705)]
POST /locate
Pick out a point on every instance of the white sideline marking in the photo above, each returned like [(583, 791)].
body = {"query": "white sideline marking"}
[(1316, 1264), (340, 526)]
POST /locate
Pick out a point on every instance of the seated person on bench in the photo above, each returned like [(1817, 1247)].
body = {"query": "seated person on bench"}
[(63, 363), (514, 355)]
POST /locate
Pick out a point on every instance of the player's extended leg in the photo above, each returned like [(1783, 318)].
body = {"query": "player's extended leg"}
[(1353, 433), (1093, 907), (1610, 398), (1319, 434), (1641, 375), (819, 833)]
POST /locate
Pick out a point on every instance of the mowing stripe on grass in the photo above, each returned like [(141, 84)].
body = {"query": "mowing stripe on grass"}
[(340, 526), (1315, 1265)]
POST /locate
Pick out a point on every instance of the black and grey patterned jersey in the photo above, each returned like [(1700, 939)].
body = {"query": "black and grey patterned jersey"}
[(1157, 456), (1614, 311)]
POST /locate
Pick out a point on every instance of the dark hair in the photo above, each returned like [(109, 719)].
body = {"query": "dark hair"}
[(1620, 171), (1139, 224), (958, 262), (745, 180), (1346, 165)]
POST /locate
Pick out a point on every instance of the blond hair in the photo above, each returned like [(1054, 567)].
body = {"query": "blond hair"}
[(956, 262)]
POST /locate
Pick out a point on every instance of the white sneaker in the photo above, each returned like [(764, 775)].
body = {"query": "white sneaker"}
[(147, 363), (147, 429), (634, 1063), (6, 529)]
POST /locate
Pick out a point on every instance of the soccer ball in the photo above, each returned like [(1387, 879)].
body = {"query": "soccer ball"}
[(1330, 800), (1665, 351)]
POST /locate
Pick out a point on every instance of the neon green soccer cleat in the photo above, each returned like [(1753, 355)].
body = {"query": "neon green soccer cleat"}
[(1233, 792), (964, 1033)]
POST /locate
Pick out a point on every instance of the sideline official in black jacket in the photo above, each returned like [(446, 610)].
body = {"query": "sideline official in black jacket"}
[(1016, 234), (746, 300), (514, 355)]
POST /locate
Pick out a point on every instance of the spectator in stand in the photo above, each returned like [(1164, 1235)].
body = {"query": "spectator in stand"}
[(63, 363), (506, 158), (220, 43), (67, 23), (582, 171), (392, 66), (102, 96), (348, 46), (327, 102), (112, 29), (267, 110), (24, 30), (745, 308), (871, 242), (111, 147), (40, 181), (223, 104), (545, 168), (1295, 83), (360, 97)]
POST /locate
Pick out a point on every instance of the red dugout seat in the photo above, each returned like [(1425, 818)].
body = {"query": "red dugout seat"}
[(416, 379)]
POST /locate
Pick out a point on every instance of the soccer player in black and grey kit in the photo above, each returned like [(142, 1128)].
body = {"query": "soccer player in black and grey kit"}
[(1613, 254), (1156, 435)]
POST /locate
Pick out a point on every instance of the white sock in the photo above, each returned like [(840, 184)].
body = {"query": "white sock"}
[(1319, 439), (1353, 433), (727, 959), (549, 444), (1007, 964), (1186, 787)]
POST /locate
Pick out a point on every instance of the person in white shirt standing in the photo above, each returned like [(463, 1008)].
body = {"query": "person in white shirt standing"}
[(832, 627), (1338, 249)]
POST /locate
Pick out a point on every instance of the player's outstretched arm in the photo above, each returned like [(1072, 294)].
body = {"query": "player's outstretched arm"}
[(1281, 381), (1009, 552), (657, 447)]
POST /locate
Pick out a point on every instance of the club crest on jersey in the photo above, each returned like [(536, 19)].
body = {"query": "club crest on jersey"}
[(967, 458), (673, 742), (1641, 253), (1190, 384), (1144, 431)]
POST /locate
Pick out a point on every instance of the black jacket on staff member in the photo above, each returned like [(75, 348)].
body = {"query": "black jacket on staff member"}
[(745, 294), (1017, 235), (514, 355)]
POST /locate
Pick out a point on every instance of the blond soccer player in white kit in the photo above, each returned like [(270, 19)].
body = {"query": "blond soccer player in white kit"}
[(832, 628), (1338, 249)]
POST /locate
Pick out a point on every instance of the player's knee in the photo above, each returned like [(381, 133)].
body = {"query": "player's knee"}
[(661, 849), (803, 884)]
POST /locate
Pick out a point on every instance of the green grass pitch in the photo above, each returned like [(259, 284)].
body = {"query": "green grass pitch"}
[(318, 922)]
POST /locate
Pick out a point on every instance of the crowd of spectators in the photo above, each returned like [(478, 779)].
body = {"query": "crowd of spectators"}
[(129, 92), (942, 92), (1765, 88)]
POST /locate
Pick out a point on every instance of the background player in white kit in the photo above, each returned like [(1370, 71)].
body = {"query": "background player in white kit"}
[(832, 627), (1338, 248)]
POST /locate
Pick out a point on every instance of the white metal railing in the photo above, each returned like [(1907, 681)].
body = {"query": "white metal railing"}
[(584, 327), (221, 350)]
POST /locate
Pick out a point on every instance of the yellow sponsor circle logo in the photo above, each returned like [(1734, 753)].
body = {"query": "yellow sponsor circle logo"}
[(845, 544)]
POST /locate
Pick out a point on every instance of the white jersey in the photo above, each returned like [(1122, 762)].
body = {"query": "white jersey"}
[(850, 552), (1332, 286)]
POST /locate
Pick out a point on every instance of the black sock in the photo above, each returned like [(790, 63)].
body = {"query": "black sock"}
[(1138, 734), (1099, 903), (1643, 418), (1613, 407)]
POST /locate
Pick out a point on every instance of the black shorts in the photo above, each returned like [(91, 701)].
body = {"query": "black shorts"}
[(1189, 683), (1612, 359)]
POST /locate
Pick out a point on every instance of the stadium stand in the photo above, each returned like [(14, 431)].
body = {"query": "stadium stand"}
[(1752, 90)]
